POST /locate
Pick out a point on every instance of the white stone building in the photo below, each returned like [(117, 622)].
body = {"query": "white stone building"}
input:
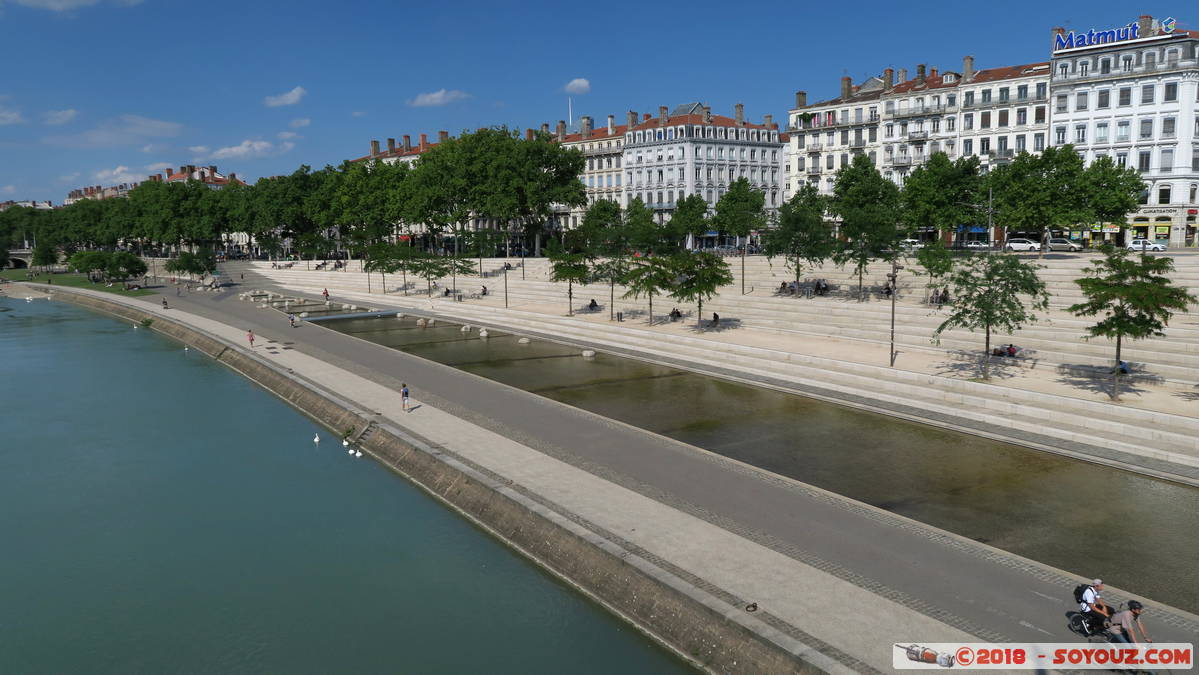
[(1132, 94)]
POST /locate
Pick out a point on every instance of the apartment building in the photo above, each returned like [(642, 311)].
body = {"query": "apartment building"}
[(689, 151), (603, 172), (824, 136), (1131, 93)]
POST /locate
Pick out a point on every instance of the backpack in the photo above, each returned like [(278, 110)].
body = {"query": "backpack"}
[(1079, 590)]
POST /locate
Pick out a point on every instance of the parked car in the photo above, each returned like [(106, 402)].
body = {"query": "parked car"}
[(1145, 245), (911, 244), (977, 245), (1022, 245), (1060, 244)]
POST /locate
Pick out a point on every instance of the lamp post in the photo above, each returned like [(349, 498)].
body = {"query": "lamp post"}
[(893, 278), (505, 285)]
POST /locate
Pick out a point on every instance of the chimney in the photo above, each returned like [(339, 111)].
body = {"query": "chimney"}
[(232, 178), (560, 130), (631, 119), (611, 124), (767, 120), (529, 135), (424, 142), (585, 126), (920, 73), (374, 148), (968, 68), (932, 73), (391, 145), (212, 171), (645, 117), (739, 114), (707, 114), (662, 116), (443, 136), (1145, 25), (846, 86), (545, 128), (903, 75), (407, 142), (801, 99), (169, 172)]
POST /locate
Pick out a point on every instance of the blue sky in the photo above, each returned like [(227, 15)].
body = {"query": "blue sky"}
[(98, 92)]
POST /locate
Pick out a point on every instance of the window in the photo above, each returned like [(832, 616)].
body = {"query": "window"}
[(951, 100), (1063, 70), (1021, 116), (1062, 103), (1122, 132), (1039, 117), (1080, 101), (936, 124), (1083, 68), (1146, 94), (1122, 159), (1163, 194), (951, 124), (1041, 89), (1125, 96), (1003, 143), (844, 160), (1080, 133), (1059, 136), (1168, 127), (1105, 66), (1146, 129), (1194, 166), (1126, 64), (1038, 142), (968, 121), (968, 147), (889, 132), (986, 95), (1022, 92), (1171, 92), (1003, 118), (1194, 188), (1167, 162), (1101, 132), (984, 146), (984, 121), (968, 98), (1143, 160), (1003, 95), (1020, 144), (873, 134), (1104, 99), (828, 161)]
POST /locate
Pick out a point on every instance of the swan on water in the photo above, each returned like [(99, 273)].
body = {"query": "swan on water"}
[(357, 453), (316, 438), (345, 442), (350, 451)]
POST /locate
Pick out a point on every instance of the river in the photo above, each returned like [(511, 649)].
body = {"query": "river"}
[(160, 513)]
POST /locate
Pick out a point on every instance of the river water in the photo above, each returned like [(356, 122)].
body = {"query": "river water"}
[(159, 513), (1135, 532)]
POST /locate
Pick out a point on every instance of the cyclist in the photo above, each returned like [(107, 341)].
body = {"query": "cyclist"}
[(1126, 624)]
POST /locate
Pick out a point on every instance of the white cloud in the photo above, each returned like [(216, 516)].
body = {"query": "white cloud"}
[(287, 134), (158, 166), (9, 116), (300, 123), (123, 130), (249, 149), (358, 113), (579, 85), (199, 149), (289, 98), (8, 189), (56, 117), (116, 176), (440, 97)]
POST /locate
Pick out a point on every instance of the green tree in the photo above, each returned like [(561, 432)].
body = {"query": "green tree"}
[(690, 217), (649, 276), (868, 206), (388, 258), (1112, 192), (44, 255), (936, 260), (1037, 192), (941, 194), (1135, 297), (739, 212), (89, 261), (994, 293), (123, 265), (697, 276), (607, 235), (802, 235), (432, 267), (569, 262)]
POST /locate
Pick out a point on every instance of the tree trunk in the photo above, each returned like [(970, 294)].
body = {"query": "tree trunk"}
[(570, 298), (651, 309), (384, 276), (405, 273), (699, 320), (861, 283), (987, 357), (1116, 371), (611, 300), (744, 250)]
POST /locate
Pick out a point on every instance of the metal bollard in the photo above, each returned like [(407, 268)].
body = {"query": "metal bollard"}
[(620, 316)]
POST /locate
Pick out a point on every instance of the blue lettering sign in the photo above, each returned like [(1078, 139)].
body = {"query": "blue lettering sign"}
[(1102, 37)]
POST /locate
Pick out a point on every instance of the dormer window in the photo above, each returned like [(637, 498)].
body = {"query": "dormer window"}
[(950, 78)]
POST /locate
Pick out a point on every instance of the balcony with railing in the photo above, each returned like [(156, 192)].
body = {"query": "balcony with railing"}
[(901, 160), (918, 136), (923, 110), (813, 170), (857, 143), (814, 147)]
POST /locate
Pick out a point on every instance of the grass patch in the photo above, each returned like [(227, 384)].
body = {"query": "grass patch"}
[(70, 280)]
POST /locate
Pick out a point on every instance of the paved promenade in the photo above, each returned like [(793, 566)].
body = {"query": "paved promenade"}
[(838, 575)]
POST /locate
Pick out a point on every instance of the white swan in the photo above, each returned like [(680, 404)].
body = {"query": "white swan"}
[(357, 453), (350, 451), (316, 438), (345, 442)]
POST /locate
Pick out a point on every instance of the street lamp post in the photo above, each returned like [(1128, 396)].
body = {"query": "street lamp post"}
[(505, 285), (894, 278)]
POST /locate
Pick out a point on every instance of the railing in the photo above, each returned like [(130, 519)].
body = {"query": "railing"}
[(926, 110), (917, 135), (813, 170), (814, 147), (901, 160)]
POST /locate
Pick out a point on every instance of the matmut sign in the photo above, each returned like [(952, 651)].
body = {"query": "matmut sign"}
[(1093, 37)]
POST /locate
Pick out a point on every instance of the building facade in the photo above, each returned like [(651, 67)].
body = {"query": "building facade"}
[(690, 151), (603, 172), (1131, 93)]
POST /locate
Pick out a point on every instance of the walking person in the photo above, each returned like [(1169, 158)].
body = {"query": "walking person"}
[(250, 337), (291, 318), (326, 294), (404, 396), (164, 303)]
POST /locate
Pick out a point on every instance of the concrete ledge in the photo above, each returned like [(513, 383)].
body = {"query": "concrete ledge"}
[(686, 619)]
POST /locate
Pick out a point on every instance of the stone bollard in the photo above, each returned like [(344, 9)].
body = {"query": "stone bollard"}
[(589, 353), (523, 341), (483, 333), (431, 322), (399, 315), (303, 315), (465, 329), (421, 322)]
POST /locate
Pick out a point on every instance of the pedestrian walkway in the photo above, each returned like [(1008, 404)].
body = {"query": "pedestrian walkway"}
[(844, 577)]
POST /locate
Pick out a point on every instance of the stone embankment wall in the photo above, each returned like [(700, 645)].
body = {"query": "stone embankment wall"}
[(714, 636)]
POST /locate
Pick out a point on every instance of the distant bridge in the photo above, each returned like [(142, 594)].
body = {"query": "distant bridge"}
[(20, 258)]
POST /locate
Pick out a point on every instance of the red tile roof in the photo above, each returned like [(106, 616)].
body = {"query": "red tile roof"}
[(597, 134), (399, 152), (1010, 72), (205, 177), (717, 120)]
